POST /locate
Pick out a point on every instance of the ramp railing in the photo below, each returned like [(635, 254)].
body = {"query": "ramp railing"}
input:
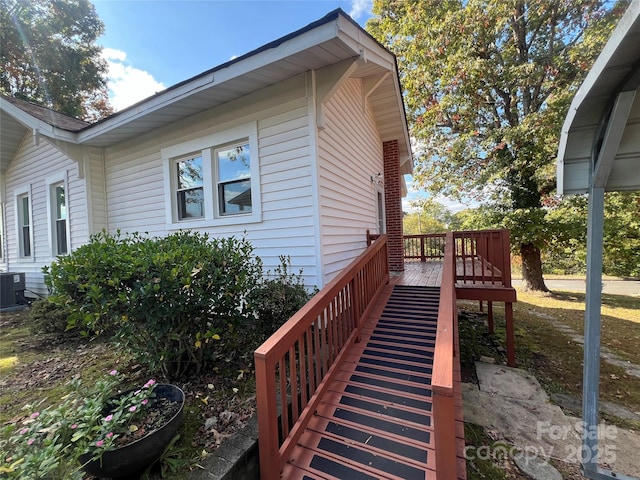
[(294, 366)]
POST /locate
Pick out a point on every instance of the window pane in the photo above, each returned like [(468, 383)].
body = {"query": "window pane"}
[(191, 203), (26, 242), (235, 197), (190, 173), (61, 236), (61, 207), (25, 211), (234, 163)]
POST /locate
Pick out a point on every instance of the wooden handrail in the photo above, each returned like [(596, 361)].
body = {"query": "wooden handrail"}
[(442, 380), (294, 366)]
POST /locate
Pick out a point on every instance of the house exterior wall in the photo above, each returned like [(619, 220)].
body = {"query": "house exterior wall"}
[(32, 170), (350, 153), (139, 195)]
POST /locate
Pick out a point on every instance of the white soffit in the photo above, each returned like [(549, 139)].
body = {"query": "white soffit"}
[(616, 70)]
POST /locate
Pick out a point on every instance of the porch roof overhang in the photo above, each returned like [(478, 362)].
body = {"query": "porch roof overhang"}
[(333, 39), (600, 139)]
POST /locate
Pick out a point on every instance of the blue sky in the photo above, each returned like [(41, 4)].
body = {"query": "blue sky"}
[(153, 44)]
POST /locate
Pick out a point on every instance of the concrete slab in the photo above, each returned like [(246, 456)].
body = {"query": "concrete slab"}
[(510, 382), (536, 467), (512, 406)]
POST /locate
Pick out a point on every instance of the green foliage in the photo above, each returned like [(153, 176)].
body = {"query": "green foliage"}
[(49, 442), (560, 230), (429, 217), (488, 85), (48, 55), (46, 316), (276, 299), (175, 302), (622, 234)]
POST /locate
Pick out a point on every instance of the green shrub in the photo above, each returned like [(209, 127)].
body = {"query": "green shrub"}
[(46, 316), (276, 298), (172, 301)]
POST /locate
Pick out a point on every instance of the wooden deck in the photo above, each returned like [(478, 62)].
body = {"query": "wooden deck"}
[(375, 421)]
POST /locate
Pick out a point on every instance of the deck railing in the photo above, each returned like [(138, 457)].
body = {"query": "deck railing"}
[(483, 256), (424, 247), (294, 366), (442, 379)]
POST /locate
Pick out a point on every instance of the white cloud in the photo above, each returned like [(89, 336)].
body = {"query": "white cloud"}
[(127, 84), (360, 7)]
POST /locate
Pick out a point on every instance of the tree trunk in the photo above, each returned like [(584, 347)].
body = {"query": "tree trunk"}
[(532, 268)]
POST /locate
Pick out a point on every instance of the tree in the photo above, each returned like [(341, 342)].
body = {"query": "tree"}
[(622, 234), (428, 216), (487, 86), (48, 56)]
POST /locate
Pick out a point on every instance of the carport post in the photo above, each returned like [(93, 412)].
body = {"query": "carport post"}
[(591, 367)]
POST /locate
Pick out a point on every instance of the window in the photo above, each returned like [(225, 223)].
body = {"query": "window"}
[(380, 206), (190, 190), (234, 179), (213, 180), (59, 219), (24, 225)]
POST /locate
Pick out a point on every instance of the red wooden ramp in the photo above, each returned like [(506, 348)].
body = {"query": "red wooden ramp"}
[(375, 420)]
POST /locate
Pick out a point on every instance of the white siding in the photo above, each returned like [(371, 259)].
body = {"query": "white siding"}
[(97, 196), (31, 167), (350, 152), (134, 174)]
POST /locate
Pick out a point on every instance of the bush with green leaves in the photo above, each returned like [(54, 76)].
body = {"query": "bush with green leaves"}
[(46, 316), (171, 301), (276, 298)]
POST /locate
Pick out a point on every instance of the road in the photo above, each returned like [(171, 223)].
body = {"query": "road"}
[(616, 287)]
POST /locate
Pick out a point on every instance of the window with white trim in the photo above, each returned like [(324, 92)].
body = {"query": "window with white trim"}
[(380, 210), (23, 205), (59, 222), (190, 188), (214, 180)]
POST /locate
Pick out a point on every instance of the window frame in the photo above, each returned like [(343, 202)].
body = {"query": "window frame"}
[(52, 183), (206, 147), (19, 195)]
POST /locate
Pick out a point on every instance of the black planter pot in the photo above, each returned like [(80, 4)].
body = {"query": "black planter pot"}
[(136, 456)]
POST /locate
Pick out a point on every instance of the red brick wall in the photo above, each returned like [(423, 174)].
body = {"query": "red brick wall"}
[(393, 205)]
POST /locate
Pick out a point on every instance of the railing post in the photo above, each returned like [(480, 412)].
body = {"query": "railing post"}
[(442, 381), (268, 441)]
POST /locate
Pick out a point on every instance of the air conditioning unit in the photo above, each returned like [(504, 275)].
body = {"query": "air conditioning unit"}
[(11, 289)]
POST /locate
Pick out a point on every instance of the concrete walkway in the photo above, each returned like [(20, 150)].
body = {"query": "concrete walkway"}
[(511, 404)]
